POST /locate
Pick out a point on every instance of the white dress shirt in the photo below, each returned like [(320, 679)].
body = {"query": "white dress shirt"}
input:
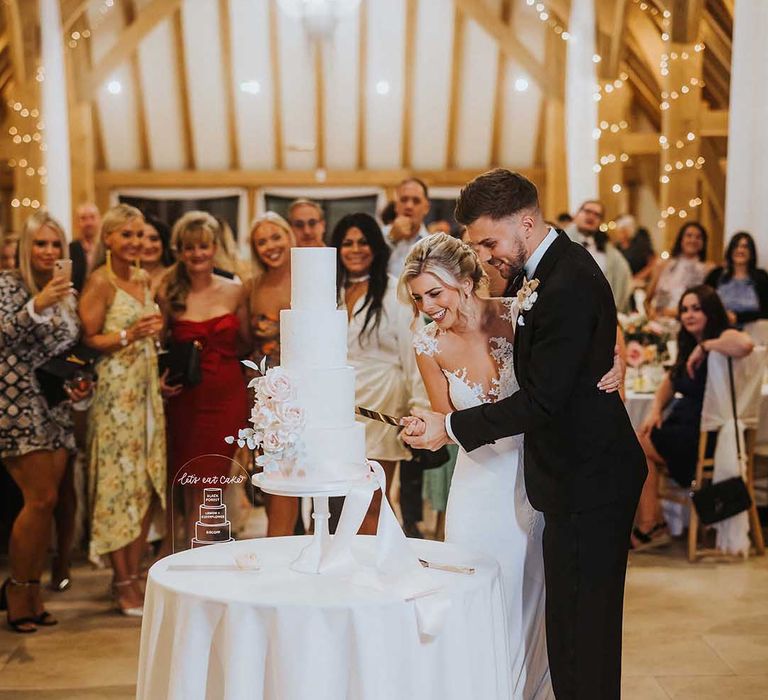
[(399, 251)]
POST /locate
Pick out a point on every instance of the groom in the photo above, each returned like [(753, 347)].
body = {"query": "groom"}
[(584, 468)]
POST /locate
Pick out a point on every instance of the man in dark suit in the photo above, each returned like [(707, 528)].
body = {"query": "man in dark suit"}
[(584, 467), (84, 249)]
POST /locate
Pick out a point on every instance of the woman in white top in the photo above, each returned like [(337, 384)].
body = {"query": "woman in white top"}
[(685, 268), (379, 342)]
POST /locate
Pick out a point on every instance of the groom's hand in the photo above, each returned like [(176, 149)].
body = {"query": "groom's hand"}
[(433, 436)]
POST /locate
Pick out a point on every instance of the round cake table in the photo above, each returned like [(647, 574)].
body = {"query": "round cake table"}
[(214, 631)]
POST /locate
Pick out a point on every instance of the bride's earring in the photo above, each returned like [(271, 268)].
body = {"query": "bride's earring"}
[(109, 261)]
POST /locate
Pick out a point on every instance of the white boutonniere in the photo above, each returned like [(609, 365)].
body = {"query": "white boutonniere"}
[(526, 298)]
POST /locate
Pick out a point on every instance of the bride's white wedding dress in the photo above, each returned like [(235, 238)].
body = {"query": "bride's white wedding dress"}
[(488, 511)]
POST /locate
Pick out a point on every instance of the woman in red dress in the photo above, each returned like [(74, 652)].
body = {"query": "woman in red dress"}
[(210, 309)]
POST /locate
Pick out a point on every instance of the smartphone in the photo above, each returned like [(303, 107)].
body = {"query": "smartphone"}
[(63, 269)]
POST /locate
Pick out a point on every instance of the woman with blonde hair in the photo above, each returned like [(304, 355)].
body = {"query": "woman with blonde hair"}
[(126, 436), (269, 292), (210, 311), (38, 321), (465, 357)]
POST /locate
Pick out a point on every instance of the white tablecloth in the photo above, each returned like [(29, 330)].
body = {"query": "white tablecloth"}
[(278, 634)]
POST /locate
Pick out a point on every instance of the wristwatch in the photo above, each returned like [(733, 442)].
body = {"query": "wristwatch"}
[(123, 337)]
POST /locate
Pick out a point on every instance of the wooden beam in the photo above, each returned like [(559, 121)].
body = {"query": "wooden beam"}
[(411, 20), (640, 143), (277, 100), (362, 87), (506, 36), (611, 69), (686, 17), (71, 11), (319, 105), (498, 96), (181, 81), (129, 17), (457, 55), (15, 30), (115, 179), (146, 20), (714, 122), (225, 31)]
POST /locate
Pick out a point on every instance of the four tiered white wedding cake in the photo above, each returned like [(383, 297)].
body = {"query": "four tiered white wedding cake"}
[(313, 356)]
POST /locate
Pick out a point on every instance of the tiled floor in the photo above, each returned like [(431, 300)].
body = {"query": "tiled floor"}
[(692, 632)]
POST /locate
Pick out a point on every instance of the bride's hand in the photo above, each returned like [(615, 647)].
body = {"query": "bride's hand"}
[(614, 378), (412, 426)]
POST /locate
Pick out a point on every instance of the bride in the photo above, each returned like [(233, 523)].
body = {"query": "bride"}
[(465, 358)]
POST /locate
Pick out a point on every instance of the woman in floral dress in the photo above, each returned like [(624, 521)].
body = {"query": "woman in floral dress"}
[(126, 427)]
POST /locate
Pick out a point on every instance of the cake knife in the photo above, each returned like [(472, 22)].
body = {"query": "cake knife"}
[(452, 568), (381, 417)]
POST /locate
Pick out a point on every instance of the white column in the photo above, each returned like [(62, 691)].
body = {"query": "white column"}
[(58, 193), (747, 181), (580, 106)]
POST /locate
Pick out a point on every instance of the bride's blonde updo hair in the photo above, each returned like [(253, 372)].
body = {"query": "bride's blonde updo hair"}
[(449, 259)]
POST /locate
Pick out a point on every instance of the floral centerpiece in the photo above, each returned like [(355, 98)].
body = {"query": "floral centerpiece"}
[(277, 419), (646, 339)]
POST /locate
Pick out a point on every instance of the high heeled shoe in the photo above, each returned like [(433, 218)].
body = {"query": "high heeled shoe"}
[(44, 619), (137, 611), (20, 624)]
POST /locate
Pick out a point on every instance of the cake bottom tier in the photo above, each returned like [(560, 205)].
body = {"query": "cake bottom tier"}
[(213, 533)]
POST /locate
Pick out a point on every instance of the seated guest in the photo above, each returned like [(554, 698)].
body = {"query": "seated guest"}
[(740, 283), (9, 242), (585, 229), (379, 343), (307, 220), (126, 439), (685, 268), (156, 255), (635, 245), (38, 321), (85, 249), (268, 292), (673, 442), (208, 308)]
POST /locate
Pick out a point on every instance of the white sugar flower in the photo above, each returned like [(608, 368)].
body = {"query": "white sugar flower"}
[(290, 415), (278, 385), (273, 441)]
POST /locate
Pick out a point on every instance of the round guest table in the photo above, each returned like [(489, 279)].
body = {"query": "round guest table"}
[(214, 631)]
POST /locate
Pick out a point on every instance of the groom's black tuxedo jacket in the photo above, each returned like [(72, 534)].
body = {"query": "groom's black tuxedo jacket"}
[(581, 451)]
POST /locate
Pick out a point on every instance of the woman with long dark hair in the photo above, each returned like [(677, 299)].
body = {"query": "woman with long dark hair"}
[(156, 253), (379, 342), (686, 267), (740, 283), (673, 441)]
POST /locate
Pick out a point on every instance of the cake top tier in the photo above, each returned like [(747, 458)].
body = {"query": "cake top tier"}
[(211, 497), (313, 278)]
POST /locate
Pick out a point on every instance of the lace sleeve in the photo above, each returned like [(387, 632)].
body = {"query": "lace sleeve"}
[(425, 340)]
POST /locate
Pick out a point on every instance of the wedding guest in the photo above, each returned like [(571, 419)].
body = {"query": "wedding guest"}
[(673, 441), (635, 245), (126, 439), (740, 283), (38, 321), (227, 262), (585, 229), (440, 226), (208, 309), (685, 268), (307, 220), (411, 206), (563, 219), (388, 213), (156, 255), (9, 243), (267, 293), (84, 249), (379, 343)]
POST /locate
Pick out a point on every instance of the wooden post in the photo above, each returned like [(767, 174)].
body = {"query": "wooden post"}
[(555, 199), (681, 160)]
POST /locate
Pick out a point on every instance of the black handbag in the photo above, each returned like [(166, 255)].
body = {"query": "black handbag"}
[(723, 500), (182, 360), (426, 459), (76, 363)]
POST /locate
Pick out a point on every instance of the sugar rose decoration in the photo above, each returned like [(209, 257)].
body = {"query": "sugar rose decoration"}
[(277, 420)]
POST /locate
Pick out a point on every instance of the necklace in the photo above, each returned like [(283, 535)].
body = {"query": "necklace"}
[(358, 280)]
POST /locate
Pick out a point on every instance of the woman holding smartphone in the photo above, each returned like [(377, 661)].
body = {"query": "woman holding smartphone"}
[(38, 321), (126, 427)]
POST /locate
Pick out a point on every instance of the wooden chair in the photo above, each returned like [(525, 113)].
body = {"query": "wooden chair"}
[(704, 473)]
